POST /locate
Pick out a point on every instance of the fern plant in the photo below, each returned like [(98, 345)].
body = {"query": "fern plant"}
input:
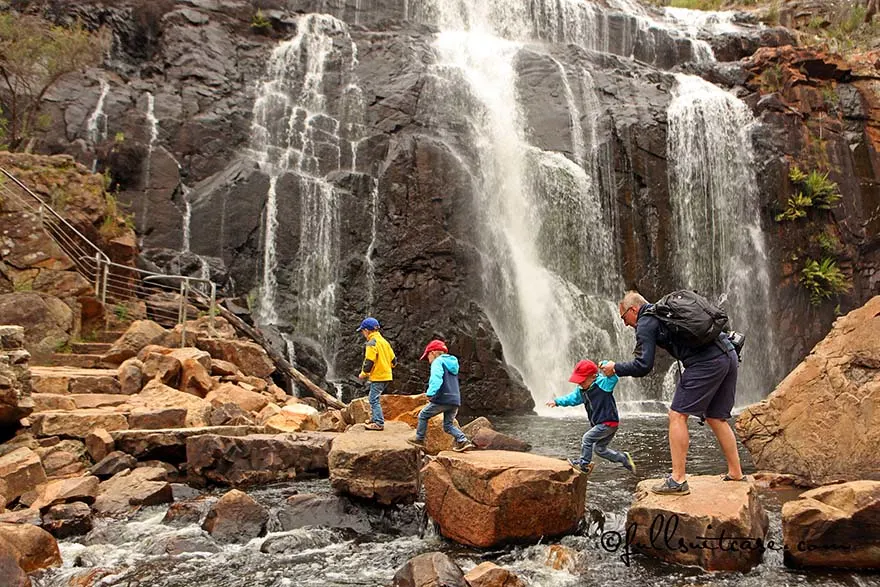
[(823, 279)]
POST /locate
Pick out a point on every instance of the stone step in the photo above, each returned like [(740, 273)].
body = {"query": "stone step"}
[(77, 423), (82, 361), (71, 380), (48, 402), (91, 348), (108, 336), (169, 444)]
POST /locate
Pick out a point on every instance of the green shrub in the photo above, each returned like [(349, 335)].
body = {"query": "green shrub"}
[(828, 243), (795, 208), (772, 79), (815, 190), (823, 279), (260, 23)]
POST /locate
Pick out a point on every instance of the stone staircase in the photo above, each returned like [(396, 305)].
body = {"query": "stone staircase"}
[(85, 355)]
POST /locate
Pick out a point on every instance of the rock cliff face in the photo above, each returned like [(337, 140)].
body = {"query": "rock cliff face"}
[(343, 150)]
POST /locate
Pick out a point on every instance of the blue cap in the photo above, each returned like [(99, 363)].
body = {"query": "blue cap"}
[(369, 324)]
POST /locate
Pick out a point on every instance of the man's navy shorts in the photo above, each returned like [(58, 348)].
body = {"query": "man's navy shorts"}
[(707, 388)]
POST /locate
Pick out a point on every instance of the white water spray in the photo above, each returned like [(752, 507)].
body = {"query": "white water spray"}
[(96, 128)]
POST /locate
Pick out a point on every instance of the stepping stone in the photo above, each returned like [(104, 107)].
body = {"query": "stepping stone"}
[(169, 445), (90, 348), (77, 423), (66, 380)]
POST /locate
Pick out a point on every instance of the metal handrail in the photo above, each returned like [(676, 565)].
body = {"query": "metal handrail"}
[(113, 281)]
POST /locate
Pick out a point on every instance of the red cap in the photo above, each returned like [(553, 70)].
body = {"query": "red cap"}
[(583, 371), (434, 345)]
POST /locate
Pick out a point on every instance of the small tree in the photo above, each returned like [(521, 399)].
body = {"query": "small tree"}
[(34, 55)]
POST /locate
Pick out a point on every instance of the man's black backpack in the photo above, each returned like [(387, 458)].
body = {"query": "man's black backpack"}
[(692, 320)]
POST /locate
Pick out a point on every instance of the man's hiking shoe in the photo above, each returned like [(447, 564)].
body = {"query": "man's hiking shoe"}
[(419, 444), (670, 487), (577, 465), (727, 477), (629, 465), (463, 446), (374, 426)]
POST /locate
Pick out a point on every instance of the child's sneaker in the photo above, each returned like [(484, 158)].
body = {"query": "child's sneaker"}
[(670, 487), (579, 466), (463, 446), (374, 426), (420, 444), (629, 465)]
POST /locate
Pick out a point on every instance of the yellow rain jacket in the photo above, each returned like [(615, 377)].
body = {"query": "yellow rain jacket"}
[(379, 358)]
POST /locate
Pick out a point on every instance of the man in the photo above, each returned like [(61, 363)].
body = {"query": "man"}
[(379, 360), (707, 387)]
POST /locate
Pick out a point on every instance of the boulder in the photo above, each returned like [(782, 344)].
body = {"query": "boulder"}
[(12, 573), (332, 421), (489, 574), (473, 427), (488, 439), (68, 519), (62, 463), (25, 516), (87, 401), (249, 401), (379, 466), (717, 512), (22, 471), (432, 569), (484, 498), (32, 547), (564, 558), (96, 383), (393, 407), (834, 526), (157, 419), (43, 402), (786, 434), (99, 444), (231, 415), (236, 517), (195, 378), (115, 462), (192, 354), (139, 334), (156, 395), (293, 418), (131, 376), (60, 491), (163, 367), (256, 458), (47, 321), (170, 445), (128, 490), (184, 513), (77, 423), (222, 368), (249, 357)]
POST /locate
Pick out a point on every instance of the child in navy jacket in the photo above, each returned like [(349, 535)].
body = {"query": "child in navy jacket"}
[(595, 392)]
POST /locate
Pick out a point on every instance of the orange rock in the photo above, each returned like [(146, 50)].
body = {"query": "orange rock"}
[(249, 401)]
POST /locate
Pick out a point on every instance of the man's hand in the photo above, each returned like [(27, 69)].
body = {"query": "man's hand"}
[(607, 368), (552, 403)]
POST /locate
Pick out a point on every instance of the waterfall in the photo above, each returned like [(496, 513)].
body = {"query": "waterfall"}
[(548, 253), (187, 217), (368, 257), (720, 248), (299, 136), (153, 123), (96, 127)]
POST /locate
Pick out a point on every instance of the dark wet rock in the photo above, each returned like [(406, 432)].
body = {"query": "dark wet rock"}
[(69, 519), (13, 574), (127, 491), (177, 545), (183, 513), (113, 463), (236, 517), (325, 511), (170, 445), (491, 440)]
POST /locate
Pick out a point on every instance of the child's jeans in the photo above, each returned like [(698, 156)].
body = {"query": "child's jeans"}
[(597, 439), (449, 412), (376, 389)]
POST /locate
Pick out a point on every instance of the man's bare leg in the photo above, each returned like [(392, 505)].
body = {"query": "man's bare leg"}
[(679, 440), (727, 440)]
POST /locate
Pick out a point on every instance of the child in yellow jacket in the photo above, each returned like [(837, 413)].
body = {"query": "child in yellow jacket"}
[(379, 360)]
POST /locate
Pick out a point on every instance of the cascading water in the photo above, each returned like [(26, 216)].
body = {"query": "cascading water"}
[(720, 249), (300, 133), (96, 128), (153, 123), (550, 266)]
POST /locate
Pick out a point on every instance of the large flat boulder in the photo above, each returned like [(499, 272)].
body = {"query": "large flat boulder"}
[(20, 471), (836, 388), (250, 357), (484, 498), (47, 321), (169, 445), (256, 458), (77, 423), (64, 380), (379, 466), (60, 491), (834, 526), (716, 512)]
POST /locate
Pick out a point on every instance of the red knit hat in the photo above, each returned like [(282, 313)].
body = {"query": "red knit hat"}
[(583, 371), (434, 345)]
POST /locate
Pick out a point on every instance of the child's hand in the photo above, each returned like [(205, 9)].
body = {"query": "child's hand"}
[(552, 403), (607, 368)]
